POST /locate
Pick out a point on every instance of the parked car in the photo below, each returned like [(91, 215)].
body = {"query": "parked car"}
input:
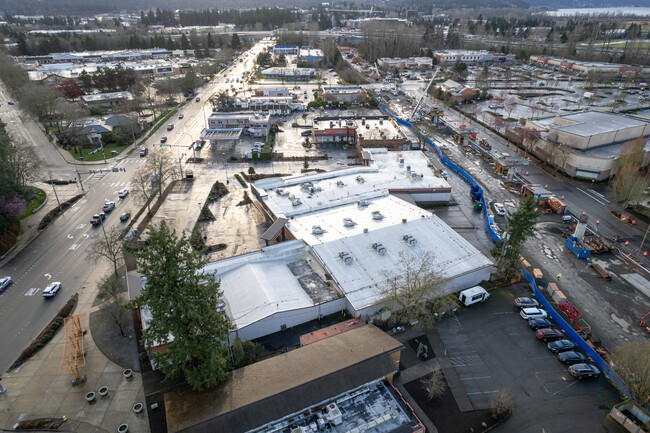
[(548, 334), (197, 99), (499, 209), (131, 235), (125, 216), (51, 289), (109, 206), (306, 133), (561, 346), (4, 282), (170, 127), (571, 357), (180, 116), (536, 324), (10, 103), (533, 313), (144, 151), (526, 303), (123, 193), (584, 370)]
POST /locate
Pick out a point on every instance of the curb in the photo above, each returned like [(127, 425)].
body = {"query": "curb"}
[(42, 204)]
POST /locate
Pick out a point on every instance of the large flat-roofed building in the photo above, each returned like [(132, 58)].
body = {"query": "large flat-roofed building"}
[(107, 99), (251, 123), (344, 93), (598, 69), (289, 74), (274, 105), (272, 91), (346, 378), (274, 289), (587, 144), (311, 56), (408, 63), (468, 56), (287, 50)]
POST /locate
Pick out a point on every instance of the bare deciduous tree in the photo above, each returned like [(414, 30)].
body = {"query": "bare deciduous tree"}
[(530, 136), (20, 162), (632, 364), (500, 402), (162, 166), (111, 289), (107, 247), (414, 292), (434, 385), (144, 188)]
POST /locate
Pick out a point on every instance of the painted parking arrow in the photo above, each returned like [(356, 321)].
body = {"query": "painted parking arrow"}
[(70, 236), (49, 277)]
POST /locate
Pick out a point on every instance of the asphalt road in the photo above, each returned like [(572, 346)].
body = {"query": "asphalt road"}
[(59, 252)]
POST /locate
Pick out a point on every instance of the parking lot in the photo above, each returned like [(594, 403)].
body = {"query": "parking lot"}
[(490, 347)]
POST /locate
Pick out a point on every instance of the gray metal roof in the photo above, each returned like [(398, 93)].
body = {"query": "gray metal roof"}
[(590, 123)]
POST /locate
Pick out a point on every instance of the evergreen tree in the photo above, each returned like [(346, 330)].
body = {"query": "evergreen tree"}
[(183, 303), (235, 43)]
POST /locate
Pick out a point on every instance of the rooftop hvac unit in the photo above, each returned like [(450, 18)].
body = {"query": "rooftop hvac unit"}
[(315, 189), (410, 240), (364, 203), (334, 413), (306, 185), (408, 169), (381, 250), (317, 230), (340, 184), (280, 192), (299, 430), (296, 202), (347, 222), (414, 175), (347, 258), (376, 215), (360, 179)]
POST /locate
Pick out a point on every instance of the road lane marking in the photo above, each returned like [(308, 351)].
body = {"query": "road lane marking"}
[(591, 196), (482, 392), (32, 291), (73, 247)]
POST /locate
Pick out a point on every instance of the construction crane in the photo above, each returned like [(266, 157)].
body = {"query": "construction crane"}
[(412, 118), (377, 69)]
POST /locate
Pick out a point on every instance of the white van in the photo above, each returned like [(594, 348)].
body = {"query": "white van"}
[(473, 295), (533, 313)]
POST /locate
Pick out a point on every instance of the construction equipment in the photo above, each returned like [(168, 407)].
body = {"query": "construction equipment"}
[(598, 245), (642, 322), (556, 204), (601, 271), (73, 351), (577, 247), (426, 90)]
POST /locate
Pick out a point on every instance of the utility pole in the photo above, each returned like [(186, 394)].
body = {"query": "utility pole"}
[(57, 197)]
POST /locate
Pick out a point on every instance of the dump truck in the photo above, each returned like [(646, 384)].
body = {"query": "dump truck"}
[(556, 204)]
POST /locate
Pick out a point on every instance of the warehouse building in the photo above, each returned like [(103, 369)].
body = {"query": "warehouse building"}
[(467, 56), (587, 144), (598, 69)]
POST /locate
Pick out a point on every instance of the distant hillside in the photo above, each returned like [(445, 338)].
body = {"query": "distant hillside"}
[(569, 4)]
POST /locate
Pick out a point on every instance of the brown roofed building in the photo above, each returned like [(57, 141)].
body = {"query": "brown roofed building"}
[(260, 393)]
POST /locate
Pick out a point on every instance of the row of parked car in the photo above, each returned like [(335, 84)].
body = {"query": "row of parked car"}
[(565, 349)]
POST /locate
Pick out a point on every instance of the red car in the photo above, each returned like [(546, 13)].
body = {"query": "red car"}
[(548, 334)]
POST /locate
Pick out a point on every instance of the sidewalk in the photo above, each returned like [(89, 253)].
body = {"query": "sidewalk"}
[(37, 390)]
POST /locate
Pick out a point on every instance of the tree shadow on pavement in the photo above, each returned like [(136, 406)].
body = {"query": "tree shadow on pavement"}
[(105, 333)]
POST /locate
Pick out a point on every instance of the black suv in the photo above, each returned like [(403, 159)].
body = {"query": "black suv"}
[(584, 370)]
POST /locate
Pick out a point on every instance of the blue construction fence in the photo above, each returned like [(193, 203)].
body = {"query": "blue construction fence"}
[(466, 177), (571, 333), (566, 327)]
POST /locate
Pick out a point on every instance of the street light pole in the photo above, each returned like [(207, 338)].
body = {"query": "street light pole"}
[(57, 196)]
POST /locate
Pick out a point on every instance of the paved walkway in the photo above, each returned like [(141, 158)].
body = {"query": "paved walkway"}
[(37, 390)]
